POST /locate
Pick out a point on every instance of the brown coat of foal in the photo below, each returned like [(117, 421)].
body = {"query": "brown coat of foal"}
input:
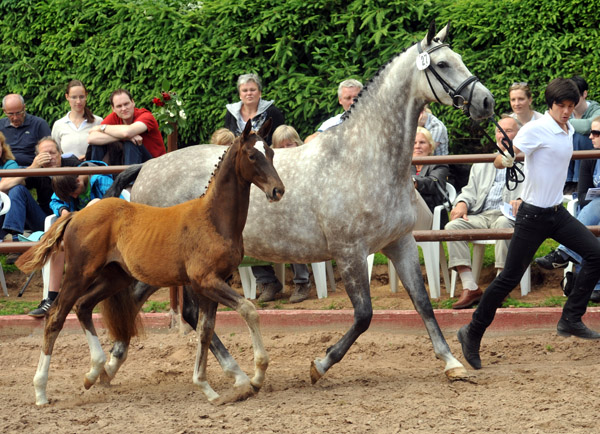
[(113, 243)]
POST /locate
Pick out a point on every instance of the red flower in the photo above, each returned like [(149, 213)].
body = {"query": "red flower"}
[(158, 102), (166, 96)]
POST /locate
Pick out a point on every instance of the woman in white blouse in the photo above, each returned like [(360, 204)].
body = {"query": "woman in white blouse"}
[(71, 131)]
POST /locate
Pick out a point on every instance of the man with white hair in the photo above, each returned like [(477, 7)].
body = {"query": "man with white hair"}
[(348, 91)]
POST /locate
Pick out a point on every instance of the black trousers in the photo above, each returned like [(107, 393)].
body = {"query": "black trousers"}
[(533, 225)]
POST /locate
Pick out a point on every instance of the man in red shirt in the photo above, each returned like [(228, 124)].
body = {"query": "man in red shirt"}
[(135, 128)]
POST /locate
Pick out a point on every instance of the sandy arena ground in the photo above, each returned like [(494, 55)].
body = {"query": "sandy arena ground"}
[(389, 382)]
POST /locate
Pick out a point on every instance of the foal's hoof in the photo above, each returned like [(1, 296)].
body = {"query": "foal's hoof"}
[(315, 372), (104, 379), (458, 373), (87, 383)]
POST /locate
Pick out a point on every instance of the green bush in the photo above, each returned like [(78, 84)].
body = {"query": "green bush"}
[(302, 50)]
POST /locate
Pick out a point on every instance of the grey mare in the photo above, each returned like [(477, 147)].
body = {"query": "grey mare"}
[(348, 192)]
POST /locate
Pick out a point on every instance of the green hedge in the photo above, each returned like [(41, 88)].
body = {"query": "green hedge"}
[(302, 50)]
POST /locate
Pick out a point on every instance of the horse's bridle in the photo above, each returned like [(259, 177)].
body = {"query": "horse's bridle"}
[(513, 174), (458, 99)]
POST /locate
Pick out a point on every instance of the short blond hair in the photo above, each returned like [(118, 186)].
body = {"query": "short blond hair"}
[(222, 136), (6, 151), (285, 132), (428, 136)]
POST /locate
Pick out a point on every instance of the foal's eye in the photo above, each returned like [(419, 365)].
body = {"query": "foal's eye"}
[(442, 64), (251, 157)]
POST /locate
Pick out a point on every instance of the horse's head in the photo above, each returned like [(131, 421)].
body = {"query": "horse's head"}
[(445, 78), (255, 161)]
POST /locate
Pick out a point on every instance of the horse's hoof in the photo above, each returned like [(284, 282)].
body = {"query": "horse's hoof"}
[(315, 373), (458, 373), (87, 383), (104, 379), (236, 394)]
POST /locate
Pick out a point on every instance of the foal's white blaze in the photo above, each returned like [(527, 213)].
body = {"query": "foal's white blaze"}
[(40, 380), (260, 146)]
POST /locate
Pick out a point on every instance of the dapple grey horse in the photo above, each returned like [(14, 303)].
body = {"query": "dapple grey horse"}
[(348, 192)]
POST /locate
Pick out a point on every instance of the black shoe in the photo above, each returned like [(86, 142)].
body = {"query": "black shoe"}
[(552, 261), (269, 291), (11, 258), (578, 329), (42, 310), (595, 298), (470, 347)]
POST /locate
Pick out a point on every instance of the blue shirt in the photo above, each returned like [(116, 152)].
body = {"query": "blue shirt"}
[(22, 140)]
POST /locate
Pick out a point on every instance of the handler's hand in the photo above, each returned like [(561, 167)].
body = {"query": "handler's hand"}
[(508, 161)]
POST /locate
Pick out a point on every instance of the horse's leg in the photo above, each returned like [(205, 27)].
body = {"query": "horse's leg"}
[(219, 291), (205, 329), (54, 323), (354, 272), (112, 279), (405, 257)]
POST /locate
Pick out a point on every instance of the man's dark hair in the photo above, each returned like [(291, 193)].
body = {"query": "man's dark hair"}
[(560, 90), (118, 92), (64, 186), (582, 85)]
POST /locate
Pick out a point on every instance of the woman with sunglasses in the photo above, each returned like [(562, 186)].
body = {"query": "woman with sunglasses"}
[(589, 212), (520, 101)]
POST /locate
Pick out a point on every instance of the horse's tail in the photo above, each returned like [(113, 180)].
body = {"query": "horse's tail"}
[(120, 315), (123, 179), (35, 258)]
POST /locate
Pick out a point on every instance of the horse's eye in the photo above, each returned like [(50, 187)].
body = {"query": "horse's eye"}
[(251, 157), (442, 64)]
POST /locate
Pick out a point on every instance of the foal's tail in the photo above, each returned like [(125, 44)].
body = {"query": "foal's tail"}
[(120, 315), (123, 179), (34, 258)]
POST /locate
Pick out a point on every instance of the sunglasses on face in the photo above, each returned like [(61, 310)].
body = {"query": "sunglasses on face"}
[(595, 133)]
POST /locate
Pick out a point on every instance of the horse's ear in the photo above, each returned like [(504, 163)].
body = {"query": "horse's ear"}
[(247, 129), (431, 32), (266, 128), (443, 34)]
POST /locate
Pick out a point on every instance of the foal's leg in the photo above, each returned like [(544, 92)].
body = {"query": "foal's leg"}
[(354, 272), (120, 349), (54, 324), (405, 257), (112, 279), (205, 329), (219, 291), (190, 309)]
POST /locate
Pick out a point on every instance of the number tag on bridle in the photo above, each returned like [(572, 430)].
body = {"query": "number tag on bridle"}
[(423, 61)]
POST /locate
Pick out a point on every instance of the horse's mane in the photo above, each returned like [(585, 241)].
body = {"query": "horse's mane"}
[(218, 166), (347, 113)]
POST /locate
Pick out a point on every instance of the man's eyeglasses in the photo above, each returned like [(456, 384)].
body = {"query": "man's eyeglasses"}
[(595, 133), (14, 114)]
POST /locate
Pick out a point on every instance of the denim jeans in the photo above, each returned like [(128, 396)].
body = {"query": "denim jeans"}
[(24, 210), (589, 216), (533, 225), (580, 143), (132, 153), (266, 274)]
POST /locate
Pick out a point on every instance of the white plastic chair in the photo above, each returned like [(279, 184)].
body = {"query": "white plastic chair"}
[(572, 207), (322, 272), (5, 208), (478, 253), (432, 251)]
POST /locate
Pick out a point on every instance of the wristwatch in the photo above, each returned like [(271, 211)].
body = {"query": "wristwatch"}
[(102, 127)]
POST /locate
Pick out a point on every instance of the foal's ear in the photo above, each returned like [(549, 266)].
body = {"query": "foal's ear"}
[(431, 32), (266, 128), (247, 129)]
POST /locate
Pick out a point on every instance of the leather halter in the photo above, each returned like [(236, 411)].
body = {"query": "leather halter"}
[(458, 99)]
